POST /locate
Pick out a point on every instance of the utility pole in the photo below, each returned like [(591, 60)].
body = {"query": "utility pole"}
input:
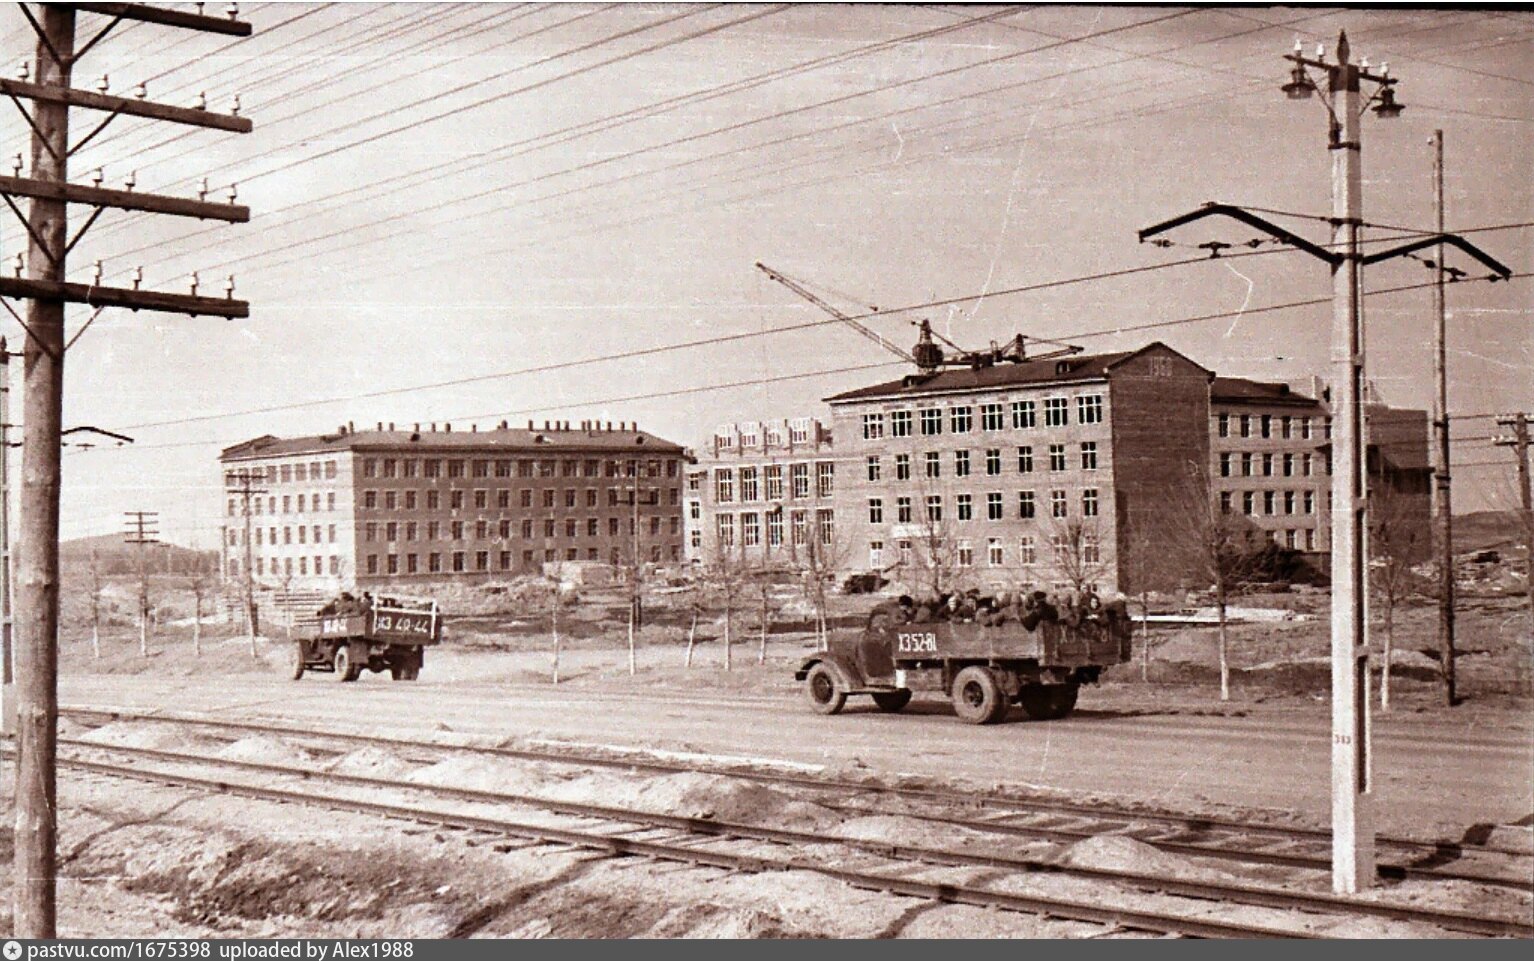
[(1352, 782), (247, 489), (634, 566), (1443, 514), (140, 534), (47, 288), (8, 681), (1519, 422)]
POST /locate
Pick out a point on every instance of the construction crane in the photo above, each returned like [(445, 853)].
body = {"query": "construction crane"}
[(927, 356)]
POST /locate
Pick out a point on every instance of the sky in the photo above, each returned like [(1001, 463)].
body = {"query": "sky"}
[(447, 197)]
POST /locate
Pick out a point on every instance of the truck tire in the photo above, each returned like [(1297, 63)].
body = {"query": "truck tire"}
[(892, 701), (977, 698), (1048, 702), (822, 690), (405, 669), (297, 666), (343, 662)]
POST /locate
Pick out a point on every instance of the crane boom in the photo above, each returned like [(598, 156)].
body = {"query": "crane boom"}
[(863, 329)]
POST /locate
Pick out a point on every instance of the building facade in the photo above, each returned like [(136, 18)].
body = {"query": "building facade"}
[(394, 507), (763, 493), (1047, 473), (1270, 465)]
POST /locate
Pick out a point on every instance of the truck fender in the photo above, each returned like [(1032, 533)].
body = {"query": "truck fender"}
[(846, 673)]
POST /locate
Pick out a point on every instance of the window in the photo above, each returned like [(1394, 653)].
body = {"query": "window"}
[(961, 419), (991, 417), (874, 473), (1305, 428), (434, 563), (1289, 504), (481, 530), (1025, 460), (433, 500), (369, 501), (966, 507), (750, 529), (330, 473), (724, 485), (903, 467), (393, 562), (934, 507), (1306, 464), (824, 474), (1269, 501), (455, 469), (934, 464), (1223, 425), (572, 527), (873, 426), (1023, 415), (1286, 430), (993, 552), (458, 559), (876, 554), (825, 524), (1089, 409), (1025, 508), (960, 463), (455, 500), (1288, 465), (1267, 425), (799, 480), (1091, 550), (1289, 539), (1056, 457), (1267, 465), (900, 423), (1246, 465), (1027, 552), (695, 538), (372, 563), (749, 489), (1089, 502), (1225, 464), (1310, 539), (1225, 502), (1246, 425), (369, 532), (1310, 502), (570, 497), (799, 528), (902, 510), (1056, 413), (905, 551), (875, 510), (774, 529), (966, 554), (993, 462), (993, 509), (369, 469), (391, 532), (1089, 455), (931, 421), (482, 500), (1248, 503), (457, 529), (726, 525), (1057, 504)]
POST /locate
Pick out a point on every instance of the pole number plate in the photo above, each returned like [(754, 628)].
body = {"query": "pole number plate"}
[(922, 642)]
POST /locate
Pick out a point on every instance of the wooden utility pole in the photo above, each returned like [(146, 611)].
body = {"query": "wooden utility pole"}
[(246, 489), (7, 683), (634, 621), (1519, 422), (141, 534), (1443, 514), (47, 289)]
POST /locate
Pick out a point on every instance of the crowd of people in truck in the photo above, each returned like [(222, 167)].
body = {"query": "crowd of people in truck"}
[(1024, 607)]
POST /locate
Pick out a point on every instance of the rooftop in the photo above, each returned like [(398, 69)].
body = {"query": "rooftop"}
[(1239, 390), (588, 436)]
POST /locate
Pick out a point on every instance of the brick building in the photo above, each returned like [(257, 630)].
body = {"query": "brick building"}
[(761, 490), (1045, 472), (1270, 465), (395, 507)]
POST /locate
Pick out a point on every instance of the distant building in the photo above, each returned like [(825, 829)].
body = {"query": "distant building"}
[(761, 491), (1270, 464), (396, 507)]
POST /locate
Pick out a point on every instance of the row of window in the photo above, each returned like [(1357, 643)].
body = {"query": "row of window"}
[(285, 473), (549, 498), (1267, 426), (751, 528), (963, 463), (302, 534), (269, 505), (486, 530), (459, 561), (407, 467), (754, 481), (995, 506), (995, 551), (1270, 503), (1267, 465), (960, 418), (798, 432), (288, 566)]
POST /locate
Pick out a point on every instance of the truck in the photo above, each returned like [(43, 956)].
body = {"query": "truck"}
[(347, 637), (1037, 662)]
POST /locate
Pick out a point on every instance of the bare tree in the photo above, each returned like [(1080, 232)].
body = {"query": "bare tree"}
[(818, 551), (697, 600), (95, 605), (553, 574), (1398, 538), (198, 580), (726, 574), (1076, 547), (1141, 571), (1222, 547)]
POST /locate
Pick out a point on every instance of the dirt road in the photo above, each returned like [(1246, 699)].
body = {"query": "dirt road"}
[(1434, 777)]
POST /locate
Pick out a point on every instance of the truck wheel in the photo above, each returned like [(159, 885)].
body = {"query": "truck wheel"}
[(298, 660), (345, 669), (824, 694), (977, 698), (1048, 702), (892, 701)]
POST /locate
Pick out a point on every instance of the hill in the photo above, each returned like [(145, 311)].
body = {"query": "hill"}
[(115, 557), (1486, 530)]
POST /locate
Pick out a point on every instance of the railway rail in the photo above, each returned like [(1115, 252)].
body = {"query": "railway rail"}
[(1042, 819)]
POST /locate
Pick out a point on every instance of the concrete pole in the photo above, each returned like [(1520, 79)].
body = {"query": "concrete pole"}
[(33, 891), (1352, 827), (1443, 515)]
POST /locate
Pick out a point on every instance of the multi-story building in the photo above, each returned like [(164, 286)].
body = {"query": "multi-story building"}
[(390, 507), (762, 492), (1059, 473), (1268, 444)]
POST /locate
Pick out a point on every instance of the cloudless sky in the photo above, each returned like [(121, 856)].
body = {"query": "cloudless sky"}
[(442, 192)]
